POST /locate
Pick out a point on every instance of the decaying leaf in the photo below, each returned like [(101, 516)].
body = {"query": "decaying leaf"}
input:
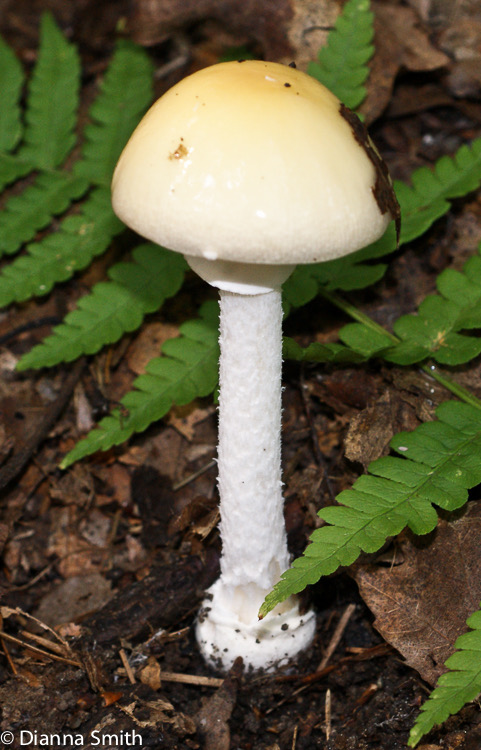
[(74, 598), (282, 29), (370, 431), (401, 42), (150, 674), (212, 719), (421, 605)]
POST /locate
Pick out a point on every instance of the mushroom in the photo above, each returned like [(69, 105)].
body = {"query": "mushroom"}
[(249, 168)]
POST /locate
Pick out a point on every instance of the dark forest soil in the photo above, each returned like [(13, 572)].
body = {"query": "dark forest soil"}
[(104, 566)]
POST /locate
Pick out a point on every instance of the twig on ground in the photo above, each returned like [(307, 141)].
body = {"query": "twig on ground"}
[(191, 679), (19, 460), (328, 713), (336, 636), (127, 667), (40, 651)]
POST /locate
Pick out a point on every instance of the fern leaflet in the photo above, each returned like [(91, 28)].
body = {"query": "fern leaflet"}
[(333, 352), (421, 205), (434, 330), (460, 685), (59, 255), (342, 63), (186, 370), (52, 100), (431, 189), (112, 308), (26, 213), (440, 461), (84, 235), (12, 168), (11, 82), (125, 94)]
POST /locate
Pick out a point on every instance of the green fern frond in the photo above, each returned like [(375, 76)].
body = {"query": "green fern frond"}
[(13, 168), (186, 370), (440, 461), (421, 205), (112, 308), (11, 83), (342, 63), (460, 685), (125, 94), (24, 214), (333, 353), (431, 189), (347, 273), (59, 255), (434, 331), (52, 100)]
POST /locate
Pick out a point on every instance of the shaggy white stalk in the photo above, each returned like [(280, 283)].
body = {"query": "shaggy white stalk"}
[(250, 484), (254, 546)]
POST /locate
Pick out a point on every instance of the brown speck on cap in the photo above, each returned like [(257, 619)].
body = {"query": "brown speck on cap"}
[(382, 190), (292, 64), (180, 152), (287, 85)]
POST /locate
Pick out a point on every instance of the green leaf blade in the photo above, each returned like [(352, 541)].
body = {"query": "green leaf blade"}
[(59, 255), (332, 352), (422, 203), (125, 94), (364, 340), (11, 83), (12, 168), (52, 99), (187, 369), (342, 63), (460, 685), (112, 308), (32, 210), (442, 461), (436, 330)]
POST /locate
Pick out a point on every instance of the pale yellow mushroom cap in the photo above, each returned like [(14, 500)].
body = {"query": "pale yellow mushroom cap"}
[(253, 162)]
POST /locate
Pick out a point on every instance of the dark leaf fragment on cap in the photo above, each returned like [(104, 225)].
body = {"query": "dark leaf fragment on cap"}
[(383, 190)]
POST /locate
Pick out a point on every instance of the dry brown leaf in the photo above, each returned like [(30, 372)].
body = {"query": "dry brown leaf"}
[(185, 418), (461, 39), (276, 26), (401, 42), (457, 28), (74, 487), (308, 28), (75, 555), (422, 604), (148, 344), (69, 630), (95, 528), (213, 718), (370, 431), (116, 484), (26, 675), (150, 674), (166, 450), (110, 697), (74, 598)]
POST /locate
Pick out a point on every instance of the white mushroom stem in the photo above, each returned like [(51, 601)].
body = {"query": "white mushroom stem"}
[(254, 545)]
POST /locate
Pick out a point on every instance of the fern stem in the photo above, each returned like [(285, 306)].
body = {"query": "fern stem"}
[(356, 314), (455, 388)]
